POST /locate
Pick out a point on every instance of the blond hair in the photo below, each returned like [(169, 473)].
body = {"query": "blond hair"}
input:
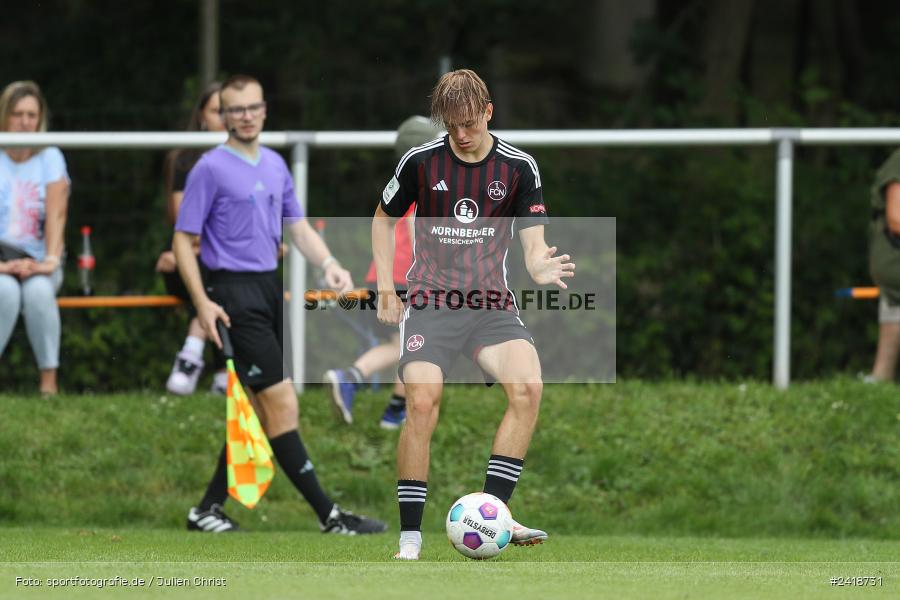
[(14, 92), (459, 97)]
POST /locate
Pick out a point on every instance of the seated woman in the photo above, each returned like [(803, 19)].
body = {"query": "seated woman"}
[(34, 196)]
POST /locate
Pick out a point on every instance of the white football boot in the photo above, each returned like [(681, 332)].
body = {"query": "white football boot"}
[(526, 536)]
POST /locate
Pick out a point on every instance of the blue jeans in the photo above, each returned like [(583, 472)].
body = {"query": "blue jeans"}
[(35, 298)]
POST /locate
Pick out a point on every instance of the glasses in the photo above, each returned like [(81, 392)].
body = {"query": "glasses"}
[(254, 110)]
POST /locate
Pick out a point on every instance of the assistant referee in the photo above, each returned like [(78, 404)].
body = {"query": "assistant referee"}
[(236, 199)]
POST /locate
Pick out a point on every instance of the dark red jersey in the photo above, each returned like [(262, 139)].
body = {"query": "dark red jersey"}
[(466, 215)]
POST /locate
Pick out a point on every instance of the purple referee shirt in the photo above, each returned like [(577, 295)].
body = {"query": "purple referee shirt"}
[(236, 205)]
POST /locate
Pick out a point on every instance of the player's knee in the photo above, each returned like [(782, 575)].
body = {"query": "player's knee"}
[(422, 401), (279, 404), (526, 396)]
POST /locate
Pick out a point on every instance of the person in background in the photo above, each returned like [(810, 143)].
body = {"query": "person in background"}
[(188, 364), (344, 383), (34, 198), (884, 266)]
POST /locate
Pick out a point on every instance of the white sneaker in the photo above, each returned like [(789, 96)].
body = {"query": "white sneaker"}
[(219, 383), (526, 536), (408, 552), (185, 374)]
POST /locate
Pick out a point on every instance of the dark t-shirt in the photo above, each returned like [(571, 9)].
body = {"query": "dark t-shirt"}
[(182, 164), (466, 213)]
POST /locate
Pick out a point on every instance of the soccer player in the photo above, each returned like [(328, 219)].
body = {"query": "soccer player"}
[(473, 194), (344, 383), (235, 199)]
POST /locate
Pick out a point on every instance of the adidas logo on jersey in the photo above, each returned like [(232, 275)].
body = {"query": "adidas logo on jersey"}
[(441, 186)]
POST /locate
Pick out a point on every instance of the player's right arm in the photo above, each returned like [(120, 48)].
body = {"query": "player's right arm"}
[(398, 195), (390, 308)]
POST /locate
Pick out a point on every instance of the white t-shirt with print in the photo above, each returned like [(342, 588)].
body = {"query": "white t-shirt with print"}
[(23, 194)]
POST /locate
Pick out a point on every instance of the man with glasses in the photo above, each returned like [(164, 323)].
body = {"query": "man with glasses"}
[(473, 194), (235, 199)]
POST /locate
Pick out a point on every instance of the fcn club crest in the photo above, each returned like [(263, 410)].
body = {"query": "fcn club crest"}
[(496, 191), (414, 342)]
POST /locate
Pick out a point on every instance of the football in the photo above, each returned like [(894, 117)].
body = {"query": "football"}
[(479, 525)]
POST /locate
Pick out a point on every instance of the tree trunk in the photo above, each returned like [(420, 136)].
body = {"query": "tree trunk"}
[(773, 60), (727, 27), (607, 61)]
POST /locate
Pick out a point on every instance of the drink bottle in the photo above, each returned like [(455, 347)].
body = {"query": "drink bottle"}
[(86, 262)]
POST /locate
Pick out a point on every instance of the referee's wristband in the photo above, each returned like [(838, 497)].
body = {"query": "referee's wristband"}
[(328, 261)]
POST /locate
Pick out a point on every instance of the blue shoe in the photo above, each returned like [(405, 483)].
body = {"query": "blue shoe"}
[(392, 418), (342, 392)]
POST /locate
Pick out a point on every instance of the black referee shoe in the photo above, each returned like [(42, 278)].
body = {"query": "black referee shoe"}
[(213, 520), (346, 523)]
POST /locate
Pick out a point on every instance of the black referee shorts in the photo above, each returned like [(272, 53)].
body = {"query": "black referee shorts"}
[(440, 335), (254, 301)]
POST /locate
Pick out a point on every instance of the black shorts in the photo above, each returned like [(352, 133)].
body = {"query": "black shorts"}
[(438, 336), (254, 302), (175, 284), (368, 320)]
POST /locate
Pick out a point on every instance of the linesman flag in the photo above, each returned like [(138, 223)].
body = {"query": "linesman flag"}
[(250, 468)]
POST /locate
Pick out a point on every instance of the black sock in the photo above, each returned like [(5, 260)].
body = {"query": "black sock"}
[(355, 375), (292, 457), (411, 498), (397, 403), (217, 490), (502, 474)]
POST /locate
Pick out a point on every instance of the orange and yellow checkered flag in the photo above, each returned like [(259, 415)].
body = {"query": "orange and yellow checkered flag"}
[(250, 468)]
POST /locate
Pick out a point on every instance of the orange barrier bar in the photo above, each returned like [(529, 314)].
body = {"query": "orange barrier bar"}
[(117, 301), (858, 293), (329, 295), (159, 301)]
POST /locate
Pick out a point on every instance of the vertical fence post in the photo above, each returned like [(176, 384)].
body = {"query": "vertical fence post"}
[(781, 368), (297, 265)]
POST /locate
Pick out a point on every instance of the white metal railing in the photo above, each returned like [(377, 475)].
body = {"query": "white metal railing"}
[(301, 141)]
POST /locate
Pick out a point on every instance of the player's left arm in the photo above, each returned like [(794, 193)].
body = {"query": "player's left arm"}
[(540, 260), (314, 248)]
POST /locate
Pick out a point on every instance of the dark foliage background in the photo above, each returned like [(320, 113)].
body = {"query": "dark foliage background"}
[(695, 226)]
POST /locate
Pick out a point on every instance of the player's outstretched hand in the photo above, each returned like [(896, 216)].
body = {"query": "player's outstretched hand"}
[(338, 278), (208, 313), (553, 269), (390, 307)]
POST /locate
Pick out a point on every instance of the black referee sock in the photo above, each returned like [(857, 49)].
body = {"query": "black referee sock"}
[(502, 475), (292, 457), (397, 403), (411, 498), (217, 491)]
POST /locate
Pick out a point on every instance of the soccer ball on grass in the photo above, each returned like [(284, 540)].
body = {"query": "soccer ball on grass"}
[(479, 525)]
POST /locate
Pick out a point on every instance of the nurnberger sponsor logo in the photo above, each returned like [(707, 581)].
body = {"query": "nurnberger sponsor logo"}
[(462, 235), (480, 528)]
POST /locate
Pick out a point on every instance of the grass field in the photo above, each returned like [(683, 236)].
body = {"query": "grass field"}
[(662, 490), (309, 565)]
